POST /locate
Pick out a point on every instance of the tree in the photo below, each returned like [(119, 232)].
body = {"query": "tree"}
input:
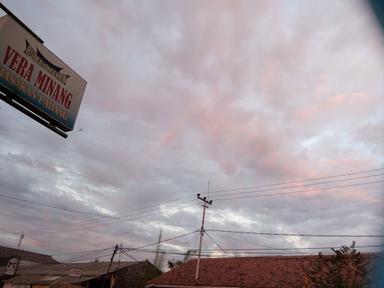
[(347, 268), (174, 263)]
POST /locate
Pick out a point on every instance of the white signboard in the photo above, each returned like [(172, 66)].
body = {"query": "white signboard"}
[(75, 272), (41, 81), (11, 268)]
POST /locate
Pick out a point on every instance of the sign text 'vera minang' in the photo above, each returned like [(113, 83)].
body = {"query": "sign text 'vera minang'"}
[(44, 83)]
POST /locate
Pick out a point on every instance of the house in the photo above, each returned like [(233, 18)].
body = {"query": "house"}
[(244, 272), (26, 257), (91, 275)]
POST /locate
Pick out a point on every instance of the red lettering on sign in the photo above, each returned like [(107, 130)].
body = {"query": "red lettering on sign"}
[(18, 63), (8, 54), (56, 93), (28, 73), (41, 77), (22, 65), (68, 101), (15, 61), (53, 90), (51, 87)]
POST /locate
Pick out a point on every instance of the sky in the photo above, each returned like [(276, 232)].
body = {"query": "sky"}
[(186, 97)]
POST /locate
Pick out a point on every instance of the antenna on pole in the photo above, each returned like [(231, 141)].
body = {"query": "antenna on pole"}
[(157, 261), (209, 188), (205, 206)]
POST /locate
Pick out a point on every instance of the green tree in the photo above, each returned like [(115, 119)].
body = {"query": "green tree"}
[(174, 263), (346, 268)]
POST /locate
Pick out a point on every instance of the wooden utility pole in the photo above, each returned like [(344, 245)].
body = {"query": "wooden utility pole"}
[(20, 239), (205, 206), (113, 256)]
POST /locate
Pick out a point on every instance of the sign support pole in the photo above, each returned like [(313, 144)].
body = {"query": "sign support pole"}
[(13, 16), (30, 114)]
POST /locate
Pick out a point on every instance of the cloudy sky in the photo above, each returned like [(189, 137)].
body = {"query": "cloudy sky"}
[(180, 94)]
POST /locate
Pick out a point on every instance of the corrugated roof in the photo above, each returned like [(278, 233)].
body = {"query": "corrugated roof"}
[(7, 252), (59, 273), (39, 279), (276, 271)]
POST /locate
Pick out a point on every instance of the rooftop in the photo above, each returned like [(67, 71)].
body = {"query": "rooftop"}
[(266, 271), (7, 252), (59, 273)]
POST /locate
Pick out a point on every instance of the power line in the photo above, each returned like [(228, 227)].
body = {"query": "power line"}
[(81, 226), (350, 205), (89, 256), (156, 243), (85, 224), (162, 241), (111, 218), (297, 181), (258, 250), (29, 206), (300, 186), (81, 252), (148, 209), (97, 223), (210, 254), (319, 210), (299, 191), (298, 234), (289, 248), (294, 254), (217, 244), (130, 256), (91, 225), (53, 207), (245, 241)]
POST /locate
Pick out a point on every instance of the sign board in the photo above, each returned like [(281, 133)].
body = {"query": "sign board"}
[(12, 266), (37, 78), (75, 272)]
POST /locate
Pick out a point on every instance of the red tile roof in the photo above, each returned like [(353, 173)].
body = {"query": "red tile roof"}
[(271, 272)]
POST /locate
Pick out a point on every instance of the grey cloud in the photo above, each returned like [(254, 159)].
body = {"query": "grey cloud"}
[(239, 93)]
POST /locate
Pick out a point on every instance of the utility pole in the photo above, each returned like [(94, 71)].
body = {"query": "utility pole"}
[(20, 239), (121, 246), (157, 260), (205, 206), (113, 256)]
